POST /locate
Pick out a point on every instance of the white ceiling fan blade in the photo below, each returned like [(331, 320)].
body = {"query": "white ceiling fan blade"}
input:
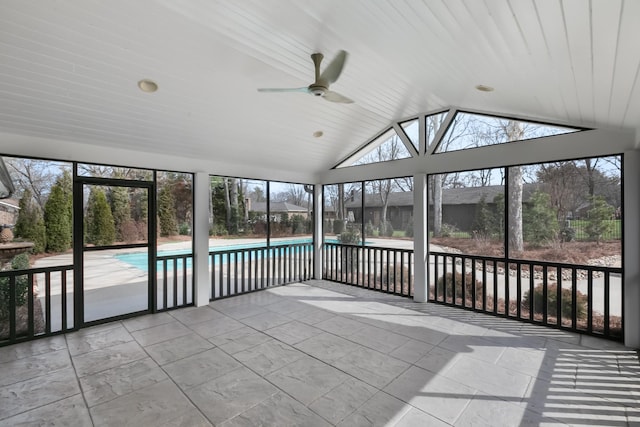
[(332, 72), (336, 97), (290, 89)]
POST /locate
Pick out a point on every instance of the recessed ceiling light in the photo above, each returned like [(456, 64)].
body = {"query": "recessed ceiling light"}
[(318, 134), (147, 85), (484, 88)]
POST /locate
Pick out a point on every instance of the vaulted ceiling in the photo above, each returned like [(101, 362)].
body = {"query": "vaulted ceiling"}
[(69, 71)]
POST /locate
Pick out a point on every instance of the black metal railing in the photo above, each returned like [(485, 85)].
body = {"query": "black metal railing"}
[(383, 269), (238, 271), (174, 281), (35, 302), (580, 298)]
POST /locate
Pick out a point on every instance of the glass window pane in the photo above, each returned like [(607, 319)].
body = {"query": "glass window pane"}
[(389, 212), (411, 129), (469, 130), (103, 171), (290, 207), (387, 146)]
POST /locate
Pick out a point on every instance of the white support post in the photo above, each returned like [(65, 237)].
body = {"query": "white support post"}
[(318, 215), (631, 262), (420, 250), (201, 276)]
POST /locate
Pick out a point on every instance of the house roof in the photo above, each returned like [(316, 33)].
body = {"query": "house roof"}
[(276, 207), (450, 196)]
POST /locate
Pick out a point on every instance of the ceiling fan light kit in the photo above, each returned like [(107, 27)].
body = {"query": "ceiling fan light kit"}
[(320, 87)]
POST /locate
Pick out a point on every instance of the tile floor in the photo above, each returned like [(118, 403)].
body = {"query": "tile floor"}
[(318, 354)]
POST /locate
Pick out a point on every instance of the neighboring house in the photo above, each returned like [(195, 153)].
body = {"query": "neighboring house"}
[(276, 209), (458, 206), (9, 209)]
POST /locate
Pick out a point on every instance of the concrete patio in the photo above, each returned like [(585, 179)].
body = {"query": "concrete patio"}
[(318, 354)]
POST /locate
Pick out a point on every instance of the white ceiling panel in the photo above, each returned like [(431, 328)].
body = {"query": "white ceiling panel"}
[(69, 68)]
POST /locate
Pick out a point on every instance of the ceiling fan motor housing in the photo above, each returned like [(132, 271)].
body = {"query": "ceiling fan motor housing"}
[(317, 90)]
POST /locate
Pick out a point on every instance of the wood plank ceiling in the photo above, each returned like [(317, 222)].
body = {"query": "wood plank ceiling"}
[(68, 70)]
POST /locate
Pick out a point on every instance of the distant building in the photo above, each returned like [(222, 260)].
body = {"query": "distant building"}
[(458, 206), (276, 209), (9, 209)]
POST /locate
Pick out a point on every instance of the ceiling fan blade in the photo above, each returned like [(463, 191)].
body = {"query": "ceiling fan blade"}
[(332, 72), (336, 97), (290, 89)]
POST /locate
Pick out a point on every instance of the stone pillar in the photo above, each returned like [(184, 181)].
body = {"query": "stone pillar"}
[(201, 276), (420, 250)]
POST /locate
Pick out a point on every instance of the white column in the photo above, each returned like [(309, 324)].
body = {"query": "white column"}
[(317, 230), (201, 275), (420, 252), (631, 238)]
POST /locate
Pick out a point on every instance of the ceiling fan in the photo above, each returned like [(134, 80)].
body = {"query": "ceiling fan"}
[(320, 87)]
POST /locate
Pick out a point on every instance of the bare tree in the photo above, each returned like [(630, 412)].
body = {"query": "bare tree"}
[(35, 175)]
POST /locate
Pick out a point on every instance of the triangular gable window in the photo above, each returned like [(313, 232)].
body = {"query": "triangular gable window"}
[(468, 130), (411, 128), (387, 146), (433, 124)]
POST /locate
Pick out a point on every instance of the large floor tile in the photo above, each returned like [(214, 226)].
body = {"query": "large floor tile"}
[(293, 332), (489, 378), (200, 368), (436, 395), (178, 348), (107, 358), (34, 366), (268, 357), (278, 410), (416, 417), (147, 321), (341, 326), (341, 401), (231, 394), (215, 327), (35, 392), (311, 315), (192, 315), (110, 384), (327, 347), (378, 339), (239, 339), (411, 351), (306, 379), (370, 366), (488, 411), (381, 410), (83, 342), (265, 320), (161, 404), (70, 411), (156, 334), (32, 348)]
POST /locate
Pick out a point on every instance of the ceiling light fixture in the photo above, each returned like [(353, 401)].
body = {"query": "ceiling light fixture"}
[(318, 134), (147, 85), (484, 88)]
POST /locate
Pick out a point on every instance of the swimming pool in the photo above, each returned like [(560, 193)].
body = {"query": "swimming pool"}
[(140, 260)]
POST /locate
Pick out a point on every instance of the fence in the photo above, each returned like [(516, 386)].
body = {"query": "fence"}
[(174, 285), (35, 302), (384, 269), (580, 298), (239, 271)]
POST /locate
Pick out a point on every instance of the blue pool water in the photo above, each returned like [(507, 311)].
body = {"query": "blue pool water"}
[(140, 261)]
